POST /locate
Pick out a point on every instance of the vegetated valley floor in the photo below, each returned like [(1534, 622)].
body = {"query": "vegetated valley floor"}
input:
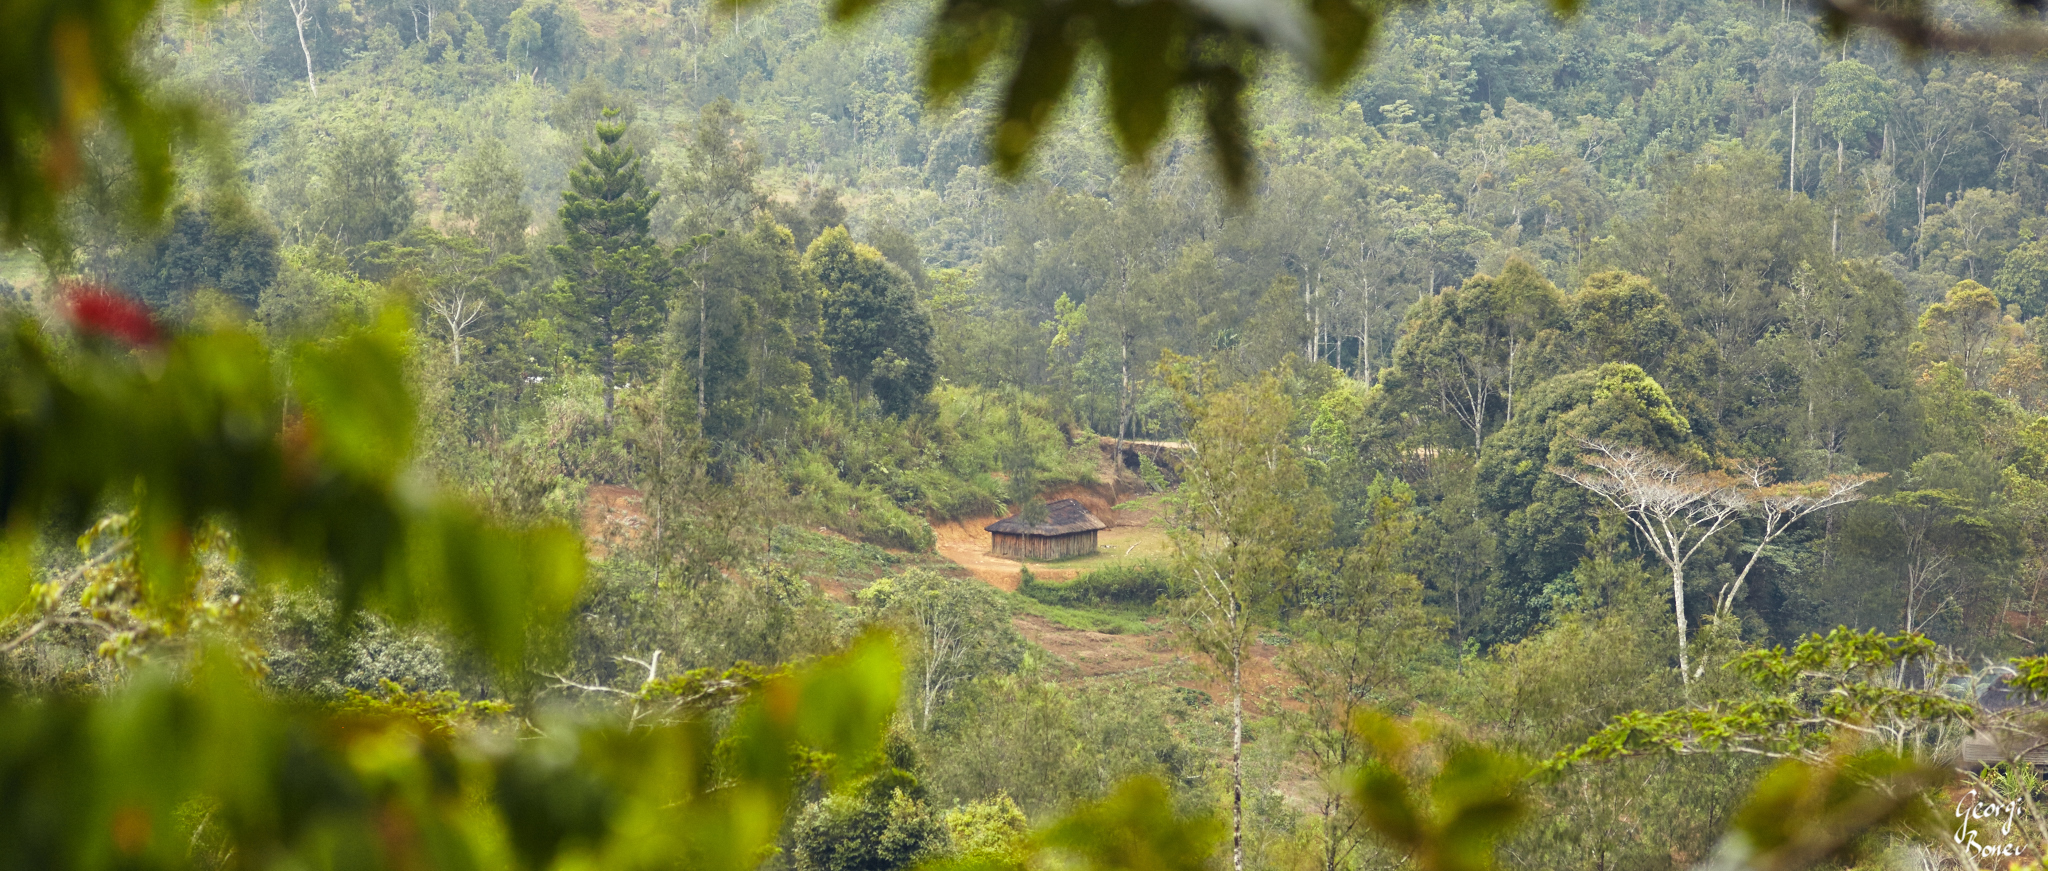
[(1077, 644)]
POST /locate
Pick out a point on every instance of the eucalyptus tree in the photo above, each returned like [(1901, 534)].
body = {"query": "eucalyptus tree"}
[(364, 196), (1241, 522)]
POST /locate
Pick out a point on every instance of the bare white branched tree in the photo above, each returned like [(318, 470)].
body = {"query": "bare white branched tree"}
[(656, 700), (1673, 508), (302, 15), (458, 304), (1779, 505)]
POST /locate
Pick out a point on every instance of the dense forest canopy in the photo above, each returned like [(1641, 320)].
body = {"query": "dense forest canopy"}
[(1819, 254), (1545, 372)]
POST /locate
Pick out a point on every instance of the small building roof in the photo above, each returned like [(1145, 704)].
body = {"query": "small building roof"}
[(1064, 517)]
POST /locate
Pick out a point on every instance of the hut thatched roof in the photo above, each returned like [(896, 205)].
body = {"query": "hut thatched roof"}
[(1063, 517)]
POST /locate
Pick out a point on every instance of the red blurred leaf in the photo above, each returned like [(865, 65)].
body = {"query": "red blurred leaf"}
[(104, 312)]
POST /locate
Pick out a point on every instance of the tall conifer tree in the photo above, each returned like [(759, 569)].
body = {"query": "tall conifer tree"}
[(609, 292)]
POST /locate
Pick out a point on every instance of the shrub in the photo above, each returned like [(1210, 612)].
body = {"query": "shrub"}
[(1139, 585)]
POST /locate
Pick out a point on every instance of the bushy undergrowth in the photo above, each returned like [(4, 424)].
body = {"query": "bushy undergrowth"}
[(943, 465), (857, 472), (823, 558), (1129, 586), (878, 478), (856, 509)]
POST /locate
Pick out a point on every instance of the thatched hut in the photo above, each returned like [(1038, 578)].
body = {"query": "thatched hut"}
[(1068, 530)]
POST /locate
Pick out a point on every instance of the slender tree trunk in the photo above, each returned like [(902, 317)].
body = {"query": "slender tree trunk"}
[(1513, 349), (1792, 164), (1920, 229), (701, 334), (611, 380), (1678, 610), (301, 10), (1365, 338), (1123, 417), (1237, 757), (1330, 811), (1308, 314)]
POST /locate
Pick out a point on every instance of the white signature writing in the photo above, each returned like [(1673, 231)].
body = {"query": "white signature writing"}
[(1970, 809)]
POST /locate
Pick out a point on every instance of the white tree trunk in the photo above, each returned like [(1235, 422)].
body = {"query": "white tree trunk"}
[(302, 11), (1237, 758)]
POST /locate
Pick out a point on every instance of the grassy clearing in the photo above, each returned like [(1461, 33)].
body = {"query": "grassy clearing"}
[(1107, 621), (1117, 600), (822, 557), (1119, 546)]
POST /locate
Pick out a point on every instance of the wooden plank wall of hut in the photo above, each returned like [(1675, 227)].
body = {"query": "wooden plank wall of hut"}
[(1044, 547)]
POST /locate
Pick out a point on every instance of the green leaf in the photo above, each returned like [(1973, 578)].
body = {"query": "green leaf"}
[(963, 36), (1137, 828), (358, 409), (1345, 30), (1045, 67), (194, 432), (1223, 112), (1142, 43), (1451, 823), (1805, 814)]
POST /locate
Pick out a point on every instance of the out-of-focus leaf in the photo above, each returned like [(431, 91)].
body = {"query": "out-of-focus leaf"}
[(1804, 814), (1223, 110), (64, 64), (1144, 49), (132, 778), (490, 583), (1045, 66), (194, 431), (1449, 822), (358, 410), (1345, 31), (1137, 829), (964, 35), (827, 719)]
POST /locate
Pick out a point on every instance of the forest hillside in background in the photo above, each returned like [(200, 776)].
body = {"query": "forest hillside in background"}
[(1553, 370)]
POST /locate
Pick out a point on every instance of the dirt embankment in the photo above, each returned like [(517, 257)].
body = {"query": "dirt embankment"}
[(1154, 658), (966, 542), (613, 516)]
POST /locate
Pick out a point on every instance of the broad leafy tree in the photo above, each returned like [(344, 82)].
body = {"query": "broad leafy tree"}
[(1467, 350), (364, 195), (751, 339), (222, 245), (487, 193), (881, 339)]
